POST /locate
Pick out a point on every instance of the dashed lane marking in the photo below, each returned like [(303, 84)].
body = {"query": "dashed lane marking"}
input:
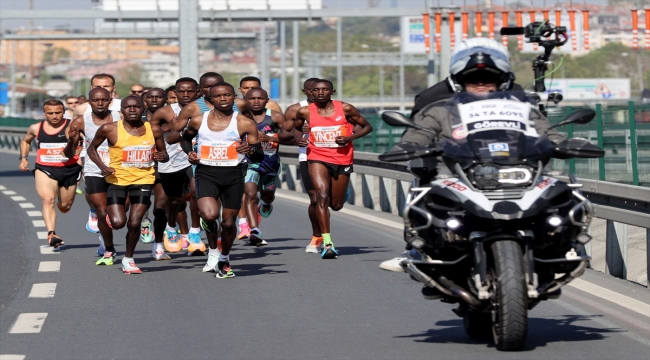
[(38, 223), (28, 323), (47, 249), (49, 266), (12, 356), (34, 213), (9, 192), (26, 205), (41, 235), (43, 290), (18, 198), (2, 188)]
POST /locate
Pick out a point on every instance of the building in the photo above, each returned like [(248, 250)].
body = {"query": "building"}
[(162, 69)]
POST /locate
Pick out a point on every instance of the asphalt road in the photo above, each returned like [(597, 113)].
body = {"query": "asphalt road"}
[(283, 304)]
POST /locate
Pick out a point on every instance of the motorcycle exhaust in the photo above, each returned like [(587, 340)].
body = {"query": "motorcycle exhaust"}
[(449, 288), (567, 278)]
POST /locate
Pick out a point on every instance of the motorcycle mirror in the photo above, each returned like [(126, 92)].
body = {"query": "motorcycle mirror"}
[(394, 118), (582, 116)]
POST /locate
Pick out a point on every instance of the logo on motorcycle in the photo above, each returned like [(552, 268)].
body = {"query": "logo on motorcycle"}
[(454, 185), (459, 133), (498, 147), (501, 125), (545, 183)]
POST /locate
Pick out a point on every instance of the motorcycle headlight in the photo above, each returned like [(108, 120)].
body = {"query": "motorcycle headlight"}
[(514, 176), (486, 177)]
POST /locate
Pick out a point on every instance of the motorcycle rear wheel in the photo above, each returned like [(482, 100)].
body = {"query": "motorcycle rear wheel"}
[(509, 304)]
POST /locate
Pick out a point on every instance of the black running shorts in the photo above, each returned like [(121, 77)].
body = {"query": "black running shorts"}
[(139, 194), (95, 185), (304, 176), (174, 184), (334, 169), (221, 182), (65, 176)]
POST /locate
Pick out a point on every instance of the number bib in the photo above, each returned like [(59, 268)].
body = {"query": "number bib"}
[(138, 156), (496, 114), (51, 153), (270, 148), (325, 136), (219, 153), (102, 151)]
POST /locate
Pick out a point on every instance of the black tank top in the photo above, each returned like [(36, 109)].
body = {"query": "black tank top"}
[(50, 147)]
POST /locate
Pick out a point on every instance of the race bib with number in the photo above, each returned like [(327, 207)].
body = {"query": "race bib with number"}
[(138, 156), (102, 151), (51, 153), (269, 147), (496, 115), (325, 136), (219, 153)]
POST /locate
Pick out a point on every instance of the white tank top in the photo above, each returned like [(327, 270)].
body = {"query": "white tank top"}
[(116, 105), (302, 151), (177, 157), (218, 148), (90, 129)]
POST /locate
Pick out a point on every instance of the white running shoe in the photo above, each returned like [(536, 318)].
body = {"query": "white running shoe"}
[(159, 254), (213, 260), (129, 267), (91, 224), (102, 248), (393, 264)]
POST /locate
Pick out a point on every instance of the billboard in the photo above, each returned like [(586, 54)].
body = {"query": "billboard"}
[(413, 34), (589, 89)]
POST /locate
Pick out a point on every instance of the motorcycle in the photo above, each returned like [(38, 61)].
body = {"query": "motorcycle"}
[(496, 232)]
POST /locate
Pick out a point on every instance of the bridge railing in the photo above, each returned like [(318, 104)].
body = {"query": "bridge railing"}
[(383, 186)]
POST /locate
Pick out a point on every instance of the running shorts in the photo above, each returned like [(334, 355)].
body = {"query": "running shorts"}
[(174, 184), (221, 182), (139, 194), (264, 182), (95, 185), (65, 176), (304, 176), (334, 169)]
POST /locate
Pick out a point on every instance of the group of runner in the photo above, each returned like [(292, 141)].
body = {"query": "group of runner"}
[(196, 143)]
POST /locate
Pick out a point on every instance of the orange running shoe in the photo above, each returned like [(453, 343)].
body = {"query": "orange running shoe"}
[(315, 246)]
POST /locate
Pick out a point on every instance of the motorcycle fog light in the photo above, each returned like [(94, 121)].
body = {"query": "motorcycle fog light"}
[(453, 223), (583, 238), (417, 242), (554, 221)]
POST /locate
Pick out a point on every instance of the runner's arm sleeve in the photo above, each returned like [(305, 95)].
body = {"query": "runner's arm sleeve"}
[(256, 154), (186, 142)]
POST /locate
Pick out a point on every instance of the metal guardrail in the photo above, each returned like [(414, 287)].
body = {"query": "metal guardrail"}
[(383, 186)]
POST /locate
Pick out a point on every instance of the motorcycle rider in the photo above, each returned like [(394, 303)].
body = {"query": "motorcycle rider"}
[(478, 67)]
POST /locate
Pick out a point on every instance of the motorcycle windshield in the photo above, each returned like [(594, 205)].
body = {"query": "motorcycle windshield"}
[(494, 129)]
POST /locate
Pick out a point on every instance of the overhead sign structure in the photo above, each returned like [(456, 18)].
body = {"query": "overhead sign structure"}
[(413, 39)]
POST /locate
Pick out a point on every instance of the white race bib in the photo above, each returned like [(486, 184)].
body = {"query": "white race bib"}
[(497, 114)]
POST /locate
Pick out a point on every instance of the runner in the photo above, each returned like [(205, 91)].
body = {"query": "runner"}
[(330, 154), (71, 102), (171, 94), (87, 125), (263, 175), (316, 244), (220, 170), (55, 175), (131, 145), (107, 82), (175, 177), (251, 82), (137, 89)]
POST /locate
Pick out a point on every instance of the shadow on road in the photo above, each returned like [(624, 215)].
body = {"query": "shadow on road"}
[(16, 173), (541, 331), (360, 250), (242, 270)]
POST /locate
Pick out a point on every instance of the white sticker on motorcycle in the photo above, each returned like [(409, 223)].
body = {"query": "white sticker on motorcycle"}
[(498, 147), (497, 114)]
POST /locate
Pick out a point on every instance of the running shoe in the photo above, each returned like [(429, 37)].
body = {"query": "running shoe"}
[(185, 242), (224, 271), (211, 264), (196, 246), (244, 231), (146, 231), (91, 225), (79, 191), (265, 210), (107, 259), (102, 248), (315, 246), (130, 267), (159, 254), (256, 238), (172, 241), (54, 240), (329, 252)]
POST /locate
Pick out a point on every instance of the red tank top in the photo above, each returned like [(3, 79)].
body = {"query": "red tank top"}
[(323, 132), (50, 147)]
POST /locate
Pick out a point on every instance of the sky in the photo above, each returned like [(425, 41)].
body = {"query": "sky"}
[(87, 4)]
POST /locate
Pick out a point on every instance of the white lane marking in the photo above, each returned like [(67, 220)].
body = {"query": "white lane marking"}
[(49, 266), (9, 192), (34, 213), (18, 198), (42, 235), (12, 357), (619, 299), (28, 323), (2, 188), (599, 291), (376, 219), (26, 205), (47, 249), (38, 223), (44, 290)]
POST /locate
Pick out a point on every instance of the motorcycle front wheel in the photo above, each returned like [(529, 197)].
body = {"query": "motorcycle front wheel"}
[(509, 303)]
